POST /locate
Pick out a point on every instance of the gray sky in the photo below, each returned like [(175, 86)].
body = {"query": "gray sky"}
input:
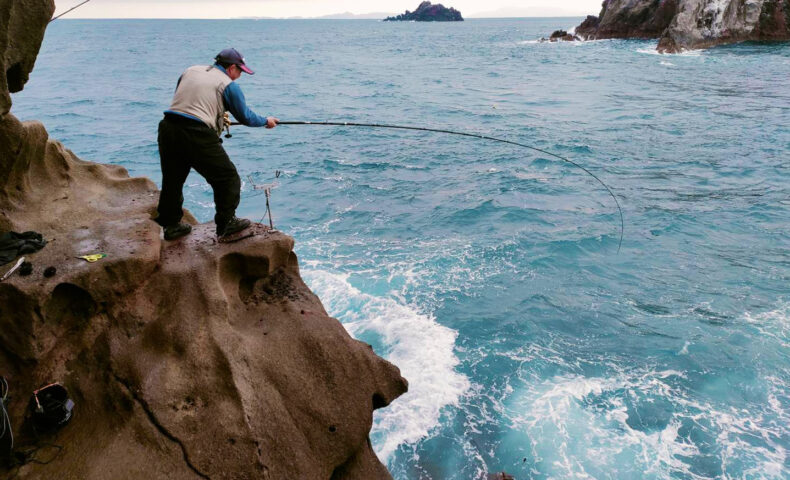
[(312, 8)]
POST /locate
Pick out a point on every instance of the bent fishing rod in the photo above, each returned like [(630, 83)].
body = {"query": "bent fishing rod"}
[(466, 134), (69, 10)]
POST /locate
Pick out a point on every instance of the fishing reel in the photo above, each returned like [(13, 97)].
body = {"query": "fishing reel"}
[(226, 122), (50, 407)]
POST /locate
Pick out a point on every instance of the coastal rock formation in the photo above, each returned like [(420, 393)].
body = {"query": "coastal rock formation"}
[(700, 24), (186, 359), (686, 24), (22, 24), (629, 19), (561, 36), (426, 12)]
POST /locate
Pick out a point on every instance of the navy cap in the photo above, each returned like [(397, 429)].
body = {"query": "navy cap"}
[(232, 56)]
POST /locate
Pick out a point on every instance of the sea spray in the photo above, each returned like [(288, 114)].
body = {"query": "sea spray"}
[(423, 349)]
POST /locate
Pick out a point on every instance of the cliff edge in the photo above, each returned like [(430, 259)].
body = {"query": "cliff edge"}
[(186, 359), (688, 24)]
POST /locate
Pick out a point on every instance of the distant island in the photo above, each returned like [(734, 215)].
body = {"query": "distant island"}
[(427, 12)]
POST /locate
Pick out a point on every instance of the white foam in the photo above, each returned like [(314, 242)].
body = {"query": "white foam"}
[(684, 53), (558, 42), (648, 51), (774, 323), (420, 347), (586, 419)]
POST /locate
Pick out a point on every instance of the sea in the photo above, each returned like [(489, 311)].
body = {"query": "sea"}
[(488, 272)]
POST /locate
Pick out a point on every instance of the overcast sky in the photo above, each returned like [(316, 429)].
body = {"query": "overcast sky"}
[(313, 8)]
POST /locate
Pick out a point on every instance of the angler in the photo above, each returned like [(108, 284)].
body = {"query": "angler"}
[(190, 137)]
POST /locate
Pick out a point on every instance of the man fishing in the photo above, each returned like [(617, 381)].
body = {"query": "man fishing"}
[(190, 137)]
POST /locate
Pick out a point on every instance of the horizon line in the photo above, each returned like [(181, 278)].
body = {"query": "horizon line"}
[(323, 17)]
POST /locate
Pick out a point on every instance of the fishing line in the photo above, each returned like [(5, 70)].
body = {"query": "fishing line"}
[(69, 10), (473, 135), (5, 420)]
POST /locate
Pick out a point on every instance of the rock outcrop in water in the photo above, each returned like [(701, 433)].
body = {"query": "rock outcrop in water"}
[(688, 24), (629, 19), (561, 36), (427, 12), (186, 359)]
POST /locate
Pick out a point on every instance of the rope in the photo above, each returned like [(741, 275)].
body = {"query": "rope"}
[(5, 420), (70, 9), (474, 135)]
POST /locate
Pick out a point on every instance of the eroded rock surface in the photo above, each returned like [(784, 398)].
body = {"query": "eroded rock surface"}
[(629, 19), (22, 24), (687, 24), (186, 359)]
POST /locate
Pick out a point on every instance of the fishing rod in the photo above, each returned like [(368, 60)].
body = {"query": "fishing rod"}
[(70, 9), (466, 134)]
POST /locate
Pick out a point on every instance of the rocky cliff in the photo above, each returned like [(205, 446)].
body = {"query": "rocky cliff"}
[(687, 24), (186, 359)]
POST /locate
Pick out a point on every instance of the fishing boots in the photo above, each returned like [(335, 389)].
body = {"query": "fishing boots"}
[(234, 225), (178, 230)]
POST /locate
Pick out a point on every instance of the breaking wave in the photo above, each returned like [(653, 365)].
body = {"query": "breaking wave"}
[(420, 347)]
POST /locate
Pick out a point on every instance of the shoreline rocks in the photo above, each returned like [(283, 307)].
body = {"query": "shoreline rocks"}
[(561, 36), (690, 24), (427, 12), (623, 19)]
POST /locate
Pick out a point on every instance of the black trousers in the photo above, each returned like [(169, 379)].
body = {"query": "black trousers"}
[(185, 144)]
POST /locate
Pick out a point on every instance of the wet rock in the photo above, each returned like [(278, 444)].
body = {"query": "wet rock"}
[(499, 476), (562, 36)]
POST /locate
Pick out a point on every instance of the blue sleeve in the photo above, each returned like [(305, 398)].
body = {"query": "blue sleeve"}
[(237, 106)]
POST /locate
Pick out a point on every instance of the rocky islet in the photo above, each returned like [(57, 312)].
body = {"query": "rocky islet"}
[(428, 12)]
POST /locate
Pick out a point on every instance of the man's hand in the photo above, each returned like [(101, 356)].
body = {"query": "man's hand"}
[(271, 122), (226, 119)]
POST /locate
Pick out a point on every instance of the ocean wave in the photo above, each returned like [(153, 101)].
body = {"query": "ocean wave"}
[(420, 347), (685, 53), (645, 423), (774, 324)]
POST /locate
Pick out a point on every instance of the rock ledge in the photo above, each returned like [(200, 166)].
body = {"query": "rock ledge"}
[(186, 359)]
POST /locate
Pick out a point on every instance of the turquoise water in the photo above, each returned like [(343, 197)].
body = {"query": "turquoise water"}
[(489, 273)]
